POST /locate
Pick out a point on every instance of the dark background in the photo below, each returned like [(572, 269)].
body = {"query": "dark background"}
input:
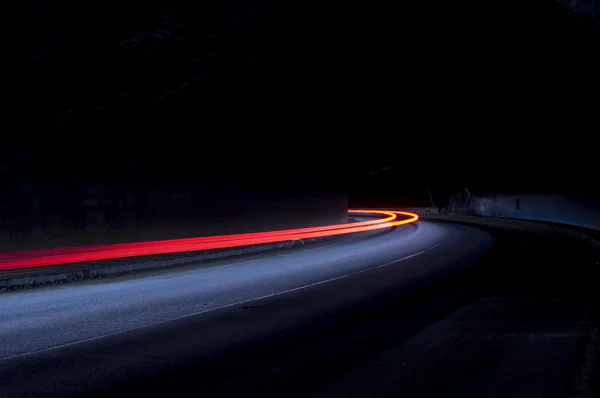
[(459, 90), (377, 99)]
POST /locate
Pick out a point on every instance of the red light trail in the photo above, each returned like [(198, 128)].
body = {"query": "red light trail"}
[(69, 255)]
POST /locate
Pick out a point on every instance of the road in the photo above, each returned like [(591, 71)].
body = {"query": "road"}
[(432, 309), (427, 309), (90, 336)]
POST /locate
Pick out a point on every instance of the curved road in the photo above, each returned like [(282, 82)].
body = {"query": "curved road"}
[(92, 337)]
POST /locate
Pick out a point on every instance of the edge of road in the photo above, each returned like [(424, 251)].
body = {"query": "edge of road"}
[(12, 280), (590, 237), (53, 275), (47, 276)]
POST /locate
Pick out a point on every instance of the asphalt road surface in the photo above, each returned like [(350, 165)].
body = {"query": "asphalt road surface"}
[(433, 309)]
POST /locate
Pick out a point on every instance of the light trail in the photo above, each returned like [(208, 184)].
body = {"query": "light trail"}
[(69, 255)]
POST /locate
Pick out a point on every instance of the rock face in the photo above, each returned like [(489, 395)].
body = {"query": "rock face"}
[(69, 212), (585, 8), (562, 209)]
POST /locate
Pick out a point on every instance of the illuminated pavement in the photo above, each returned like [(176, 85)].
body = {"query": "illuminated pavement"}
[(54, 328)]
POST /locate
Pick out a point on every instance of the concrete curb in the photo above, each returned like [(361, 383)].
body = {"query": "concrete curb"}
[(112, 268), (420, 211), (117, 267)]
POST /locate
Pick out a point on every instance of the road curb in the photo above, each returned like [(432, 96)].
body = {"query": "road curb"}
[(589, 236), (113, 268), (49, 275)]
